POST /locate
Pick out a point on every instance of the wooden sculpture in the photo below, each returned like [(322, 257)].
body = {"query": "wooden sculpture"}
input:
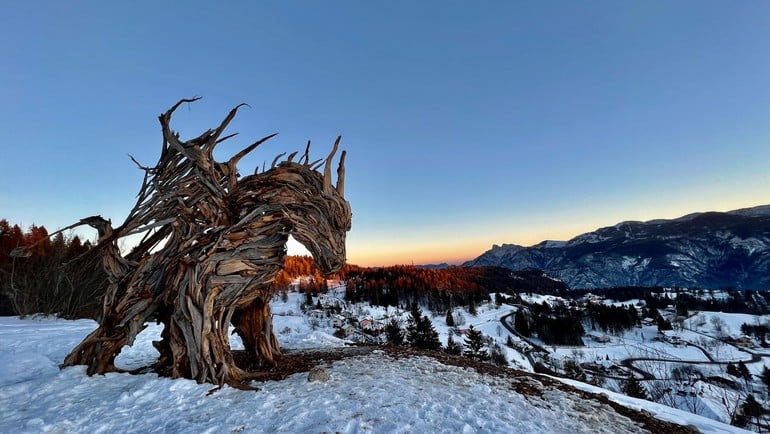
[(213, 242)]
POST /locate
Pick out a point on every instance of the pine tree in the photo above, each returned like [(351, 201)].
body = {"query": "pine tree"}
[(750, 409), (394, 333), (633, 388), (474, 344), (663, 324), (450, 320), (732, 370), (429, 335), (743, 371), (453, 347), (472, 308), (521, 323), (412, 324), (420, 332), (498, 299)]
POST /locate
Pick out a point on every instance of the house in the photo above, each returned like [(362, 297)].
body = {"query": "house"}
[(557, 360), (330, 300), (316, 313), (348, 330), (744, 341), (671, 337), (371, 325), (337, 321), (590, 298)]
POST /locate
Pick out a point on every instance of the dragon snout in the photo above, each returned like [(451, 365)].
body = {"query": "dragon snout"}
[(332, 265)]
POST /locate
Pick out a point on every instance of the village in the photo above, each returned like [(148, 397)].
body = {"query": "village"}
[(703, 362)]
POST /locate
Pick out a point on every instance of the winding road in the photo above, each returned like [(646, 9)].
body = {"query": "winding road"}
[(629, 362)]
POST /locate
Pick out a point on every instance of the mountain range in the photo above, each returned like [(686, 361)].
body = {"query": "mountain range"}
[(700, 250)]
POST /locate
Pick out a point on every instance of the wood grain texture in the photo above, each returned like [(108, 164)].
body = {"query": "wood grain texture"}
[(213, 242)]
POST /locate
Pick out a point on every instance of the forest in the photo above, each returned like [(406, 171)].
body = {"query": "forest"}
[(59, 275), (54, 275), (63, 275)]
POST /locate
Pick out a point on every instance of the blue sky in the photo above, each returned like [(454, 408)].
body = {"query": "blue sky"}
[(466, 124)]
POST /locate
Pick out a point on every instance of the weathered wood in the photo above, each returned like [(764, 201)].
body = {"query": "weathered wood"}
[(223, 243)]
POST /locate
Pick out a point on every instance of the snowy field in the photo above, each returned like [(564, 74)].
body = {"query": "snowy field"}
[(730, 322), (366, 394)]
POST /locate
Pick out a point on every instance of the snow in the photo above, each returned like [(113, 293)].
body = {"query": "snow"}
[(369, 393), (660, 411), (631, 302), (757, 211), (551, 300), (731, 322), (552, 244)]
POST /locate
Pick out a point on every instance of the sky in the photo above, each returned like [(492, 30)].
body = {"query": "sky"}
[(466, 124)]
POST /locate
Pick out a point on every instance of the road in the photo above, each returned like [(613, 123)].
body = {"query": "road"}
[(629, 362)]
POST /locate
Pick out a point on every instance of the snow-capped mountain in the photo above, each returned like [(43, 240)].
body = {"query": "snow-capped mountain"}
[(706, 250)]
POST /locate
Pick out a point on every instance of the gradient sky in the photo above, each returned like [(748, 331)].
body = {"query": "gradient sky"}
[(466, 123)]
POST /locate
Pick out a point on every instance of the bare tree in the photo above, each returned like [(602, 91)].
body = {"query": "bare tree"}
[(720, 327)]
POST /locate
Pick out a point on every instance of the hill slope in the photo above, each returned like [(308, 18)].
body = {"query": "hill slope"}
[(370, 391), (707, 250)]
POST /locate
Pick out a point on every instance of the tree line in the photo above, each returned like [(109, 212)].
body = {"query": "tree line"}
[(728, 300), (48, 274), (420, 333)]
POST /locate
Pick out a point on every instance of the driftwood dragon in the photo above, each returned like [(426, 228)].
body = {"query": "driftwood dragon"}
[(213, 244)]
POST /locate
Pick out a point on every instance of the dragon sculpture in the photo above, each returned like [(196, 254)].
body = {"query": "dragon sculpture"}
[(213, 243)]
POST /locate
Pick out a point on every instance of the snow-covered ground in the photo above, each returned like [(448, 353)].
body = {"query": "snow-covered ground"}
[(370, 393), (726, 324)]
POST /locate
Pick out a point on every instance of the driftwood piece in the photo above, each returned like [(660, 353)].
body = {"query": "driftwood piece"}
[(213, 243)]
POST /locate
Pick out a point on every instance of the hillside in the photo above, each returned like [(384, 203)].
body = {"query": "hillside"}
[(705, 250), (369, 390)]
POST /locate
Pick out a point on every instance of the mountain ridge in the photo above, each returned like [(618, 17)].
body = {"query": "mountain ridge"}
[(703, 249)]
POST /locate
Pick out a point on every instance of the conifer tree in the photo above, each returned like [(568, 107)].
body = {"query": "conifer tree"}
[(453, 347), (429, 335), (633, 388), (450, 320), (663, 324), (521, 323), (751, 410), (474, 345), (394, 333), (498, 299), (420, 332), (743, 371)]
